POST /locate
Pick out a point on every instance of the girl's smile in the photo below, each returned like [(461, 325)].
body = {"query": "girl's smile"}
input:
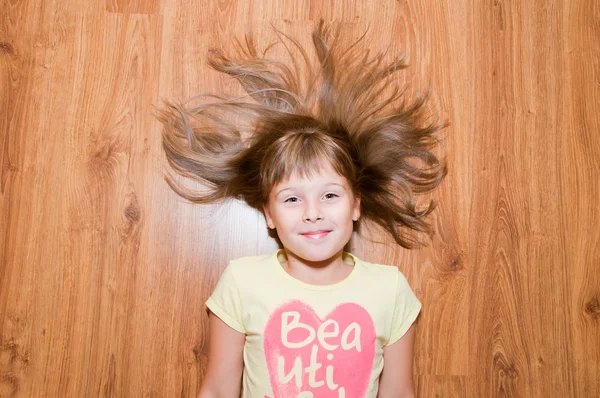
[(316, 235)]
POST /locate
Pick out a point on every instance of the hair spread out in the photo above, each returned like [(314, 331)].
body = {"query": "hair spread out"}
[(343, 108)]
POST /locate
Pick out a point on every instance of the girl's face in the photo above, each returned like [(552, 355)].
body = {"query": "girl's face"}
[(313, 217)]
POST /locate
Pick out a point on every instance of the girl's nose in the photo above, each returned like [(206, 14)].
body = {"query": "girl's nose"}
[(312, 212)]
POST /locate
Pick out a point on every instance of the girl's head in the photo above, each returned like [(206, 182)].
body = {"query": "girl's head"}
[(309, 191), (296, 165), (308, 132)]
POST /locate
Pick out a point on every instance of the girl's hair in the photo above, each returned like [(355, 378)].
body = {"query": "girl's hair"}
[(343, 109)]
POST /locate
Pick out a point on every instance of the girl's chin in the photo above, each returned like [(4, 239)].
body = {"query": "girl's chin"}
[(315, 255)]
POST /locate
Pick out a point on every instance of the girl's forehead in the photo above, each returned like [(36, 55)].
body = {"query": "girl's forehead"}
[(324, 174)]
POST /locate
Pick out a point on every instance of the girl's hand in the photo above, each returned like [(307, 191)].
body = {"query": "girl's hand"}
[(225, 361), (396, 379)]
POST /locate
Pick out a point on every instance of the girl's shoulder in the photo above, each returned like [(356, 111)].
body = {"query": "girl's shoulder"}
[(383, 270), (250, 267), (256, 259), (380, 273)]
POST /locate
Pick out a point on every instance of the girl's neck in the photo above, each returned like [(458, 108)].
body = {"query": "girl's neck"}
[(327, 272)]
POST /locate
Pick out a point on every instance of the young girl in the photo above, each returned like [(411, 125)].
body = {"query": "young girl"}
[(316, 150)]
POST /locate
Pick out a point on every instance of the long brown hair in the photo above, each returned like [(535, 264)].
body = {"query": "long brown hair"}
[(344, 108)]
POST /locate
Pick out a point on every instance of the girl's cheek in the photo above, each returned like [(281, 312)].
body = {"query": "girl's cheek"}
[(289, 210)]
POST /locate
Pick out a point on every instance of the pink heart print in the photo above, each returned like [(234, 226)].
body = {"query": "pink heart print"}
[(310, 357)]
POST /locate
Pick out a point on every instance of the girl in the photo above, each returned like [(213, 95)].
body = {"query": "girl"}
[(316, 150)]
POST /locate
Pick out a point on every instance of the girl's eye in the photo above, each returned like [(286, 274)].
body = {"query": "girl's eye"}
[(294, 199)]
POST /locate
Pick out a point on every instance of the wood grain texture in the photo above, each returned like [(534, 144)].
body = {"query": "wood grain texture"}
[(104, 271)]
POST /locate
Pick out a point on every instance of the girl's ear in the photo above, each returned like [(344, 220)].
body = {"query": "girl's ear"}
[(268, 218), (356, 210)]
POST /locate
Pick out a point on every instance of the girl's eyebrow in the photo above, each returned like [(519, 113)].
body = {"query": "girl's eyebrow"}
[(324, 185)]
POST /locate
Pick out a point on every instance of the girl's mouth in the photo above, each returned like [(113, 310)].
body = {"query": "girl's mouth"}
[(316, 234)]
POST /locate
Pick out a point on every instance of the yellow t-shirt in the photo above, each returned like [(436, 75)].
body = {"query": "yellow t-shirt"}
[(306, 340)]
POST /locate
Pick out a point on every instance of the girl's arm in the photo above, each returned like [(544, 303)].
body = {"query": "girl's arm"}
[(396, 379), (225, 361)]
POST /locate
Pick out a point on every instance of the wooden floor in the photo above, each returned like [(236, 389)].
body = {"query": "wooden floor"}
[(104, 270)]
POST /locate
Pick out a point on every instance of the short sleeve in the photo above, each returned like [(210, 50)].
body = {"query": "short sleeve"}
[(225, 301), (406, 309)]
